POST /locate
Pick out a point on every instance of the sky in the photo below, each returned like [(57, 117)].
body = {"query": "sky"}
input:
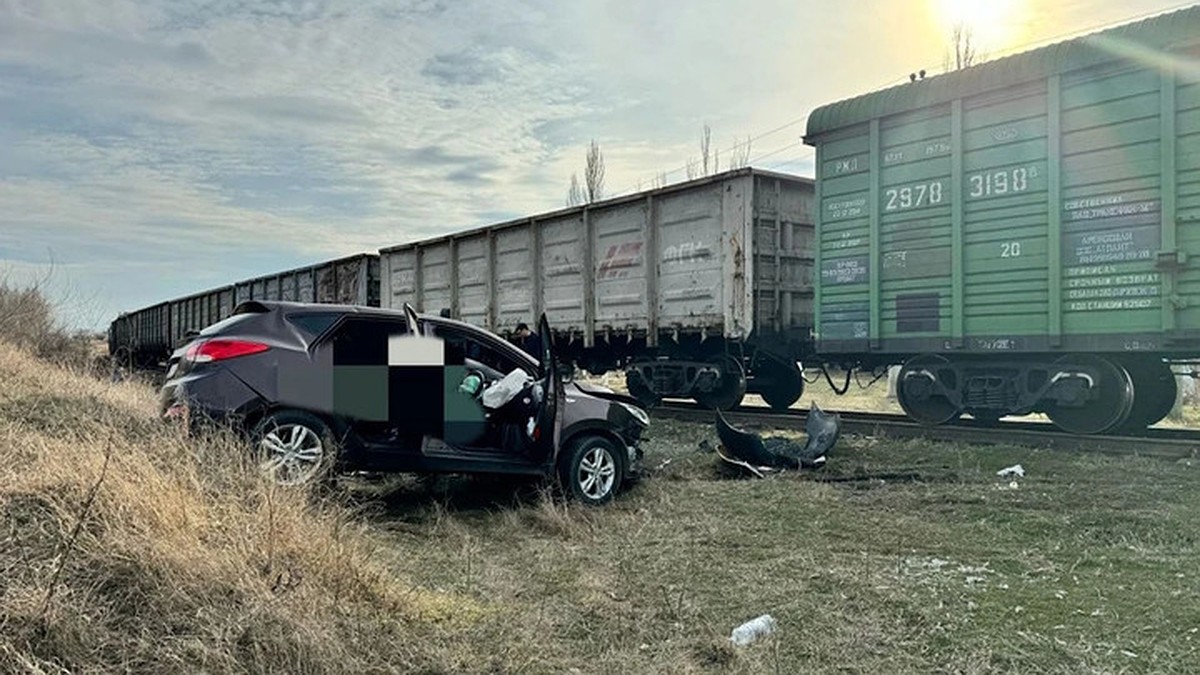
[(151, 149)]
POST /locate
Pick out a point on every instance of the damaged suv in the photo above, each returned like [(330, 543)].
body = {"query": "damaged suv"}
[(344, 388)]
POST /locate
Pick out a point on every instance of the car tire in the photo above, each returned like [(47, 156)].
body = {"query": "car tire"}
[(591, 470), (294, 447)]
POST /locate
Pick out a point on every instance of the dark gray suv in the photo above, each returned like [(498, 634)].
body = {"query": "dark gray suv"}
[(319, 387)]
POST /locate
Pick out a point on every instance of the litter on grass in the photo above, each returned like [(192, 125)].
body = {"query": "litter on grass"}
[(1010, 471), (752, 630)]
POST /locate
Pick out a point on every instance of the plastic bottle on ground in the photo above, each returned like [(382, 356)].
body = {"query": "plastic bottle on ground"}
[(752, 630)]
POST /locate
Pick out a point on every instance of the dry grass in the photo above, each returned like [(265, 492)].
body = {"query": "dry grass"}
[(27, 319), (126, 546), (898, 557)]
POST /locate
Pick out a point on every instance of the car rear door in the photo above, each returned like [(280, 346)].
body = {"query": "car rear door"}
[(365, 389)]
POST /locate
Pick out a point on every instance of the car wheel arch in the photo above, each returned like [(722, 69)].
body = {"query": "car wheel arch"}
[(571, 472), (251, 419), (584, 430), (314, 451)]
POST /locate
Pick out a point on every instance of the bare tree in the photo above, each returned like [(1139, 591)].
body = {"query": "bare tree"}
[(575, 196), (692, 168), (592, 187), (739, 155), (962, 52), (705, 147), (659, 180), (593, 173)]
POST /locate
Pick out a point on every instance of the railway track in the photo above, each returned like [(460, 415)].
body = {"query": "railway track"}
[(1164, 443)]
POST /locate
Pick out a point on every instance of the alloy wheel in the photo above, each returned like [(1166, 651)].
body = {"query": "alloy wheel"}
[(292, 453), (597, 473)]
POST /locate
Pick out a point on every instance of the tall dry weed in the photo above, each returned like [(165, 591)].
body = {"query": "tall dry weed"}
[(27, 319), (125, 545)]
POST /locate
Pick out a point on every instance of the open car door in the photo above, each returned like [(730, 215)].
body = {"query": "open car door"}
[(414, 324), (545, 433)]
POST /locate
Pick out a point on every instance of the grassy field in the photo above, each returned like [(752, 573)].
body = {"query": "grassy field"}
[(898, 557)]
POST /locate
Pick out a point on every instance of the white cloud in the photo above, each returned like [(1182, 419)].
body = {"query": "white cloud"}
[(222, 139)]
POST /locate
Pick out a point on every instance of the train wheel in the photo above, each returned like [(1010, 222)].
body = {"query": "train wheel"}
[(731, 391), (123, 358), (919, 395), (641, 391), (783, 387), (987, 417), (1102, 407), (1154, 391)]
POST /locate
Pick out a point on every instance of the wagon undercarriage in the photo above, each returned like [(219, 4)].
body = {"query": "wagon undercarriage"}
[(1080, 393)]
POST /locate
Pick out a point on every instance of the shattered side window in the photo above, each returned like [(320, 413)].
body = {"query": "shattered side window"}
[(364, 342), (314, 323), (470, 348)]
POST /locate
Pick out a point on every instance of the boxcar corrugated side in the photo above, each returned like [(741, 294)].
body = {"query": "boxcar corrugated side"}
[(145, 337), (674, 284)]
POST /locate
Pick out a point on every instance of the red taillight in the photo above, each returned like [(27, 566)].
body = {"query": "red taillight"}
[(219, 350)]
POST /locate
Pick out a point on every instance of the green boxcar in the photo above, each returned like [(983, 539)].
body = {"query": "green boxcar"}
[(1036, 213)]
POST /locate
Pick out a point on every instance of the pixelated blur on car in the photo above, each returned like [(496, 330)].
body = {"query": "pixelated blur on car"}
[(320, 390)]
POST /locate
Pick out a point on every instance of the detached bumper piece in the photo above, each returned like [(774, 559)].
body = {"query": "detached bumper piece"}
[(759, 456), (634, 455)]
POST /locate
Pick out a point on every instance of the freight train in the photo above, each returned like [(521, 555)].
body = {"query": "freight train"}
[(146, 337), (1021, 235), (698, 290)]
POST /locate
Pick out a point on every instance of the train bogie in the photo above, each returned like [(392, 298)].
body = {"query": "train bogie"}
[(1081, 393)]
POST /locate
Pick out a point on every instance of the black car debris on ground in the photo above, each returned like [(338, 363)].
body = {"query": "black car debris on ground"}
[(345, 388)]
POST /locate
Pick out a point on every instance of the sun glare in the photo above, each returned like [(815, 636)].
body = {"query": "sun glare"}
[(994, 24)]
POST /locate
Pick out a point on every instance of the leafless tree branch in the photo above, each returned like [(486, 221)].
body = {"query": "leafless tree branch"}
[(593, 175), (962, 52), (575, 195), (739, 156)]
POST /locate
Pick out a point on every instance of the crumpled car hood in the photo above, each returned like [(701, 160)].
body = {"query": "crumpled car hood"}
[(600, 391)]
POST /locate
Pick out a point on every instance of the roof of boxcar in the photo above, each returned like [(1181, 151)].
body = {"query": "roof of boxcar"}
[(1129, 41)]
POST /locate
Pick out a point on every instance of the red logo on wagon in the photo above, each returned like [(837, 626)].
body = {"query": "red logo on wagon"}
[(619, 258)]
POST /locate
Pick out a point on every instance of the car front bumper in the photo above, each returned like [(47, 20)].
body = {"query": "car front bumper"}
[(634, 458)]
